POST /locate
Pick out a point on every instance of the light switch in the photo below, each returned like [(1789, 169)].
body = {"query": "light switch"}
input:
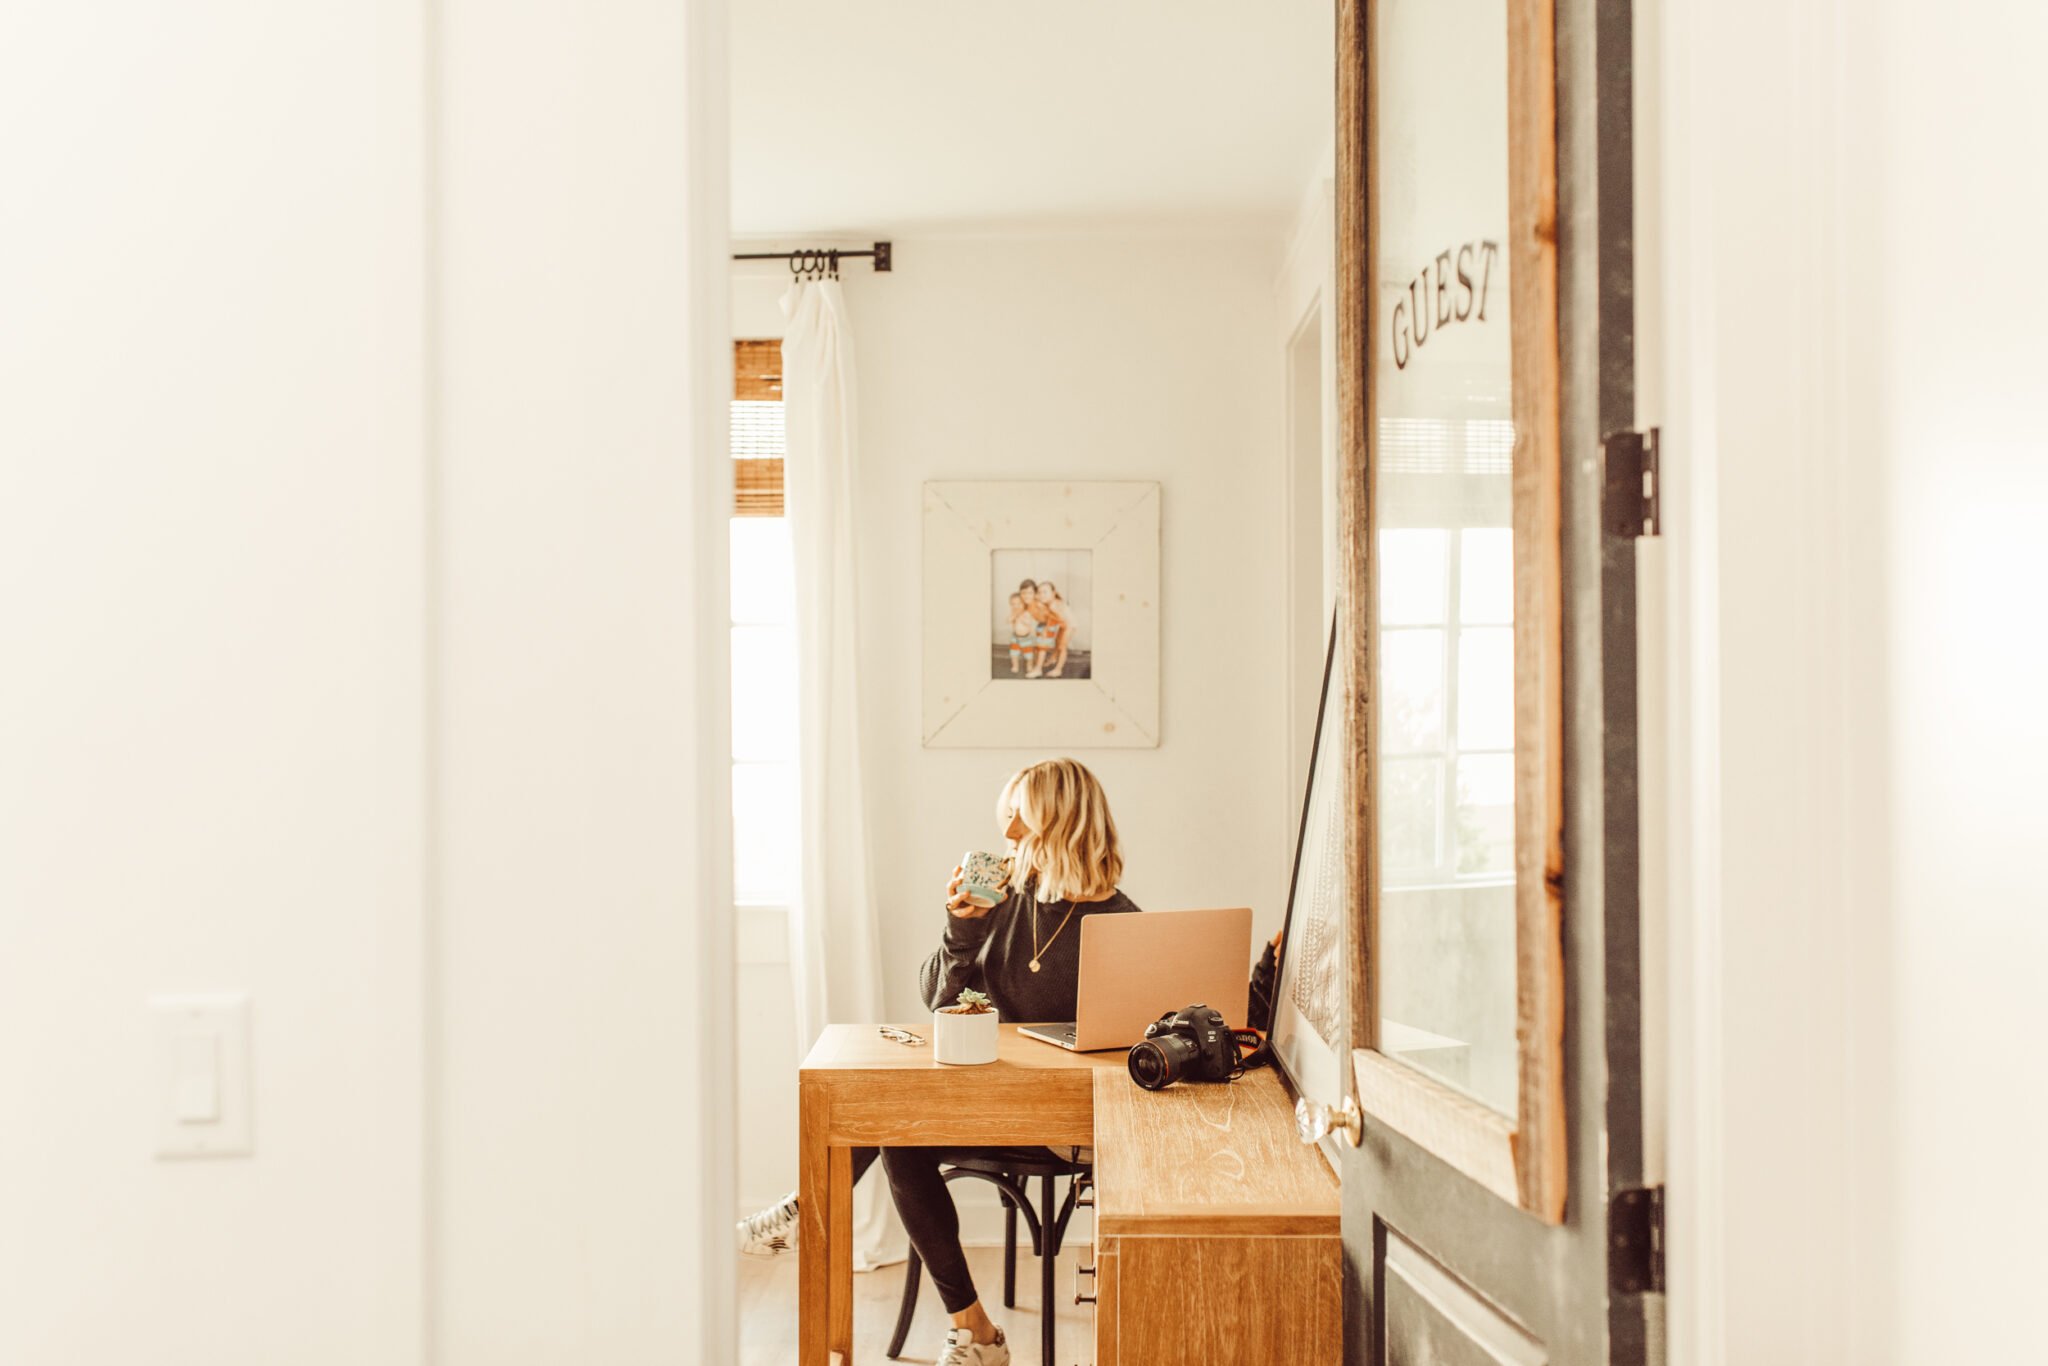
[(198, 1096), (202, 1075)]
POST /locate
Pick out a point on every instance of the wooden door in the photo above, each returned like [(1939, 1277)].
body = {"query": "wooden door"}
[(1493, 1210)]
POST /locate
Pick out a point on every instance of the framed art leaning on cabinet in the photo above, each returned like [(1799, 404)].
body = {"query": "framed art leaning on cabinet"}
[(1308, 1027)]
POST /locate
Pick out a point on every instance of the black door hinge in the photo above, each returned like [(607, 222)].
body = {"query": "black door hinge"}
[(1635, 1241), (1632, 500)]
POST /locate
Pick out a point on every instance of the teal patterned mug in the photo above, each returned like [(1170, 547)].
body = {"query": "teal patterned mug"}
[(984, 878)]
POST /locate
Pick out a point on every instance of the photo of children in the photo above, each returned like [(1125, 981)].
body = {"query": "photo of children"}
[(1042, 619)]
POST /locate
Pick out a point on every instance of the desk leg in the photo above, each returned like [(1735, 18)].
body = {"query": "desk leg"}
[(841, 1273), (814, 1217)]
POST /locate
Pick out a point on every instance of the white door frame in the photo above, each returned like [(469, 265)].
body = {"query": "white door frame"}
[(715, 967)]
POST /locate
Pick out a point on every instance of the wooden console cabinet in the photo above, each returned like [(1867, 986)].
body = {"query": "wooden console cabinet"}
[(1216, 1228)]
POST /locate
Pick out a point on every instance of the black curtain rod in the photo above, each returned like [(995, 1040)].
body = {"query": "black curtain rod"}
[(821, 261)]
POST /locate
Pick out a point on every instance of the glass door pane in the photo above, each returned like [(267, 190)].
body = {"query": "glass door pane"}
[(1443, 409)]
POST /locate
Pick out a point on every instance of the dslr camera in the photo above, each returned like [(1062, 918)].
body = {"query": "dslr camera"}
[(1190, 1044)]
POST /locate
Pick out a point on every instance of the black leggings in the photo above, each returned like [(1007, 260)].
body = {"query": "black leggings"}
[(926, 1207)]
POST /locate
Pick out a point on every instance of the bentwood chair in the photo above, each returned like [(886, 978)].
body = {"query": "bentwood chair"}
[(1048, 1229)]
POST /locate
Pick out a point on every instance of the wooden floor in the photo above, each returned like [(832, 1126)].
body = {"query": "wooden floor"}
[(768, 1311)]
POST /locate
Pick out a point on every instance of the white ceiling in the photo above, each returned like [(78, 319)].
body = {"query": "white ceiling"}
[(899, 116)]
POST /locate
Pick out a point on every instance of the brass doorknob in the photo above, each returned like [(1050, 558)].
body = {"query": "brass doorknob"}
[(1315, 1121)]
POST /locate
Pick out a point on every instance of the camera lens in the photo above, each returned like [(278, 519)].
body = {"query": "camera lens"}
[(1158, 1063)]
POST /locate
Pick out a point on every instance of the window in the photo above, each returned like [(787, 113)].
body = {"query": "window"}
[(1447, 646), (764, 701), (757, 430)]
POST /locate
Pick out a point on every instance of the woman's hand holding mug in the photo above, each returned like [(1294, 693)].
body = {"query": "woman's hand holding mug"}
[(979, 883), (956, 900)]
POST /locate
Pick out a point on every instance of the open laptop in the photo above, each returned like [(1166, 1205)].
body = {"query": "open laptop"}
[(1135, 968)]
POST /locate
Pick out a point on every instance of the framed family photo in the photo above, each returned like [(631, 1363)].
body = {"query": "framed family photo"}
[(1041, 615)]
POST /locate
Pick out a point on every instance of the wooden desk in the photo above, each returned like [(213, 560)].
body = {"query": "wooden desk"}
[(857, 1089), (1208, 1177), (1217, 1233)]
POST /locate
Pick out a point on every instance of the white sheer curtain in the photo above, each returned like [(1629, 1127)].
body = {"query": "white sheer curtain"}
[(835, 936)]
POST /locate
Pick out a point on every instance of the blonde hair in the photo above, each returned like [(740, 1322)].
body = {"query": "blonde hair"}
[(1069, 848)]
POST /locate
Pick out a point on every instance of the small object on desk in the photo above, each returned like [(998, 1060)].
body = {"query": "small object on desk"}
[(984, 878), (1194, 1043), (965, 1033), (902, 1036)]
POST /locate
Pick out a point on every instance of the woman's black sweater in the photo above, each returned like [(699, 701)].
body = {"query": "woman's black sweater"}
[(992, 954)]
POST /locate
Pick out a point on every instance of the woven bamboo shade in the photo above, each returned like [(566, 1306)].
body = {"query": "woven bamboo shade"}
[(757, 432), (757, 370), (757, 488)]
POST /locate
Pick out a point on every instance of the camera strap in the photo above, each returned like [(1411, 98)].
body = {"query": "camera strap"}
[(1253, 1049)]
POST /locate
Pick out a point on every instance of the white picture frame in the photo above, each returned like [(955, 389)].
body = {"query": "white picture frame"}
[(1116, 705)]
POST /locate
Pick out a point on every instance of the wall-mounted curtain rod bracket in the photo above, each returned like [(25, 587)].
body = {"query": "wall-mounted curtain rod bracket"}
[(822, 262)]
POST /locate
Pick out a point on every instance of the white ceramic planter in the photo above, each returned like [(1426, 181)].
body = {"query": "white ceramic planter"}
[(963, 1039)]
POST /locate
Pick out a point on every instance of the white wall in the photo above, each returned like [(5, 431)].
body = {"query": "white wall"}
[(1856, 510), (211, 702), (1078, 358), (352, 560), (1959, 393)]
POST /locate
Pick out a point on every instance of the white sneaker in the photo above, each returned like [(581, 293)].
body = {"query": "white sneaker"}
[(963, 1350), (771, 1232)]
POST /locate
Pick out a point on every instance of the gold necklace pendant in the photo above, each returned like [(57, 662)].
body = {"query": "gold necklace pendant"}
[(1038, 948)]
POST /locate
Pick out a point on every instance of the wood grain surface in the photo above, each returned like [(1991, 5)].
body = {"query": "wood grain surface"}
[(1230, 1301), (1202, 1159), (862, 1048), (1358, 622), (876, 1092), (1540, 1166), (1468, 1134), (818, 1283), (1108, 1348)]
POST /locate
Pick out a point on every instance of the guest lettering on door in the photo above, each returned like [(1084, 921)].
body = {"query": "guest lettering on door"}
[(1437, 297)]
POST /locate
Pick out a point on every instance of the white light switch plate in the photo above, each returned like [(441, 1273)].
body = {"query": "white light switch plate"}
[(202, 1075)]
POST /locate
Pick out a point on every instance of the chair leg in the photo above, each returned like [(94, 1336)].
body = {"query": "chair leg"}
[(1046, 1265), (912, 1273), (1009, 1255)]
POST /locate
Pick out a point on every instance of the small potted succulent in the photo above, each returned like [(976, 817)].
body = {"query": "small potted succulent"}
[(965, 1032)]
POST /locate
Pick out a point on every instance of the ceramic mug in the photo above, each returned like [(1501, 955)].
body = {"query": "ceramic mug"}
[(984, 878)]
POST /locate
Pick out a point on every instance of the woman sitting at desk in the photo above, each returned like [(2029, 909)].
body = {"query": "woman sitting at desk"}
[(1024, 953)]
